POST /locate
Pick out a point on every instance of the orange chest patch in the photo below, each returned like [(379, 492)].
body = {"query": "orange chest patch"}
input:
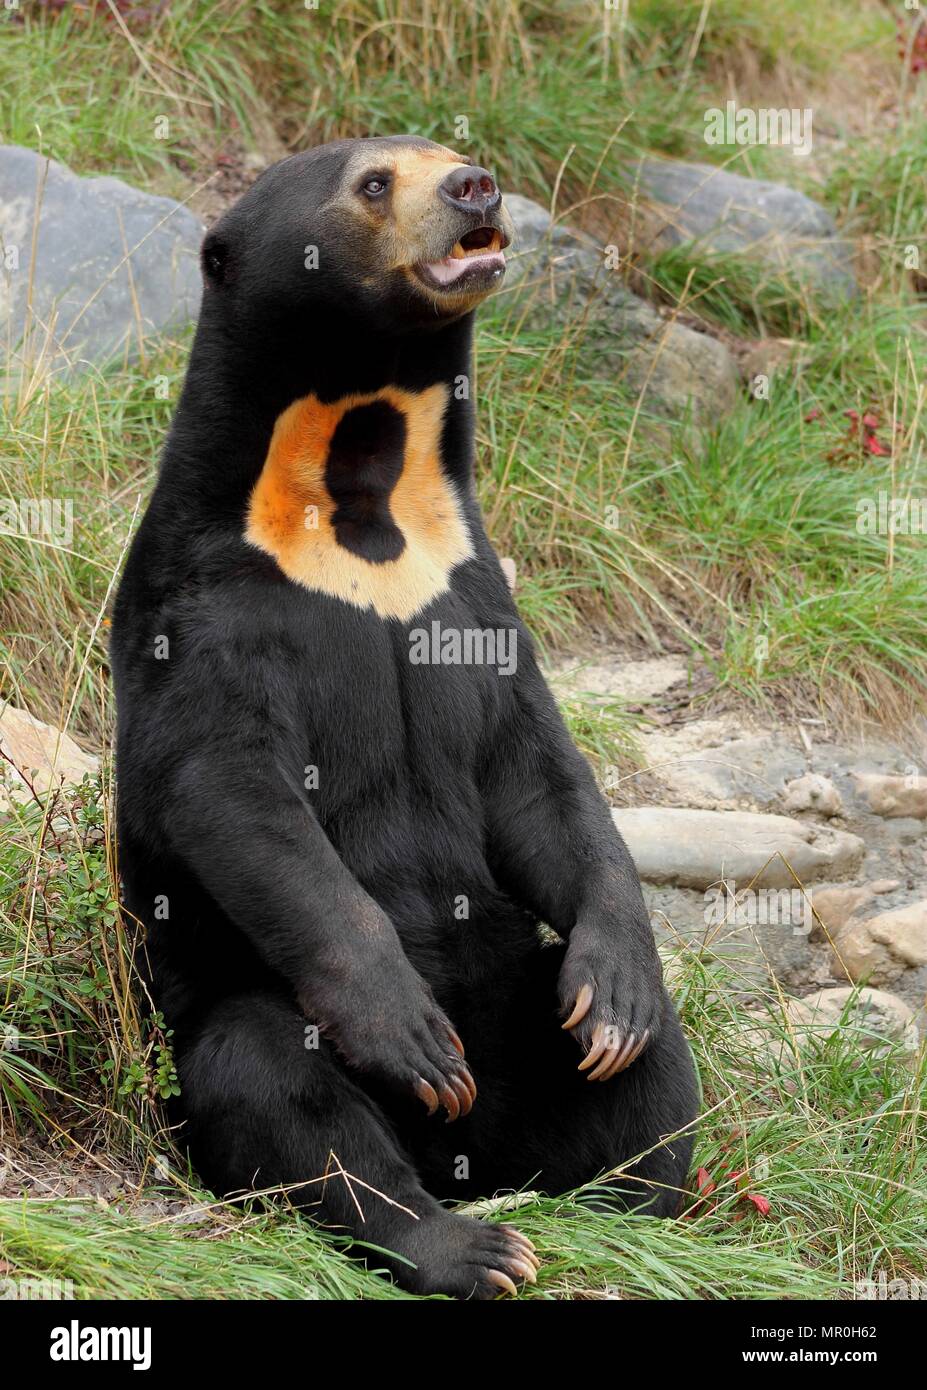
[(353, 502)]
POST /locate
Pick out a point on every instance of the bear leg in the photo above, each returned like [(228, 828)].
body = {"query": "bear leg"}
[(263, 1111)]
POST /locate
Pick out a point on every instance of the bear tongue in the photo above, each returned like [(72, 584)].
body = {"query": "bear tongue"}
[(452, 267)]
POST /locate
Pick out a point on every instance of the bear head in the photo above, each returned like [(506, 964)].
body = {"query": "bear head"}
[(398, 233)]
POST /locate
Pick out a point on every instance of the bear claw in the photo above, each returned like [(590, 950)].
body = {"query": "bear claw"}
[(426, 1093), (526, 1249), (457, 1094), (581, 1006), (495, 1276), (611, 1060)]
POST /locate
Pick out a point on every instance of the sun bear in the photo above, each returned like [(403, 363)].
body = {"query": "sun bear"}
[(348, 807)]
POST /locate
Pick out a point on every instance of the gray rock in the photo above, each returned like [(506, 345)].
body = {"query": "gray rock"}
[(696, 849), (812, 792), (716, 764), (759, 940), (560, 275), (905, 830), (90, 300), (535, 229), (726, 212)]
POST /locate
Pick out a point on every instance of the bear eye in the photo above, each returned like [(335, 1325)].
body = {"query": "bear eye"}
[(375, 185)]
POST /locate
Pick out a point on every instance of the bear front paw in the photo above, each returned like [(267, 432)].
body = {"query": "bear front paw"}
[(614, 1002), (397, 1034)]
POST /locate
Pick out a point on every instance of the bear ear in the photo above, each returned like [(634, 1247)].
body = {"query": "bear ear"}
[(215, 259)]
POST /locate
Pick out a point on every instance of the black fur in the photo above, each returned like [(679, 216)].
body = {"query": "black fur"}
[(364, 464), (339, 905)]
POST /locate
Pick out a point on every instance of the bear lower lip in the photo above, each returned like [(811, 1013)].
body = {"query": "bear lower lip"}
[(452, 269)]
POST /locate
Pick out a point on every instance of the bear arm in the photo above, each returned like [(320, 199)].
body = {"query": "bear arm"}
[(552, 835), (258, 849), (556, 847), (255, 844)]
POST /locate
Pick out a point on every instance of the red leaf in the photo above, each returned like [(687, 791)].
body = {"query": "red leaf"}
[(761, 1203), (875, 447), (704, 1182)]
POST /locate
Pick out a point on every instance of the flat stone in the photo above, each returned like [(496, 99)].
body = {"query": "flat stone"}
[(41, 754), (718, 763), (874, 1017), (113, 265), (874, 1020), (637, 682), (904, 830), (882, 948), (893, 797), (696, 849), (770, 222)]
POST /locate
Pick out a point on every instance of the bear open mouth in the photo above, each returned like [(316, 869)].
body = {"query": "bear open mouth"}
[(478, 255)]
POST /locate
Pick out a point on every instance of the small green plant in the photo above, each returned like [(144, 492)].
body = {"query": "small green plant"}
[(70, 988)]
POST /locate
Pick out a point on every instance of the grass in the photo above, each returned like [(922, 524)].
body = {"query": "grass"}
[(92, 444), (95, 94), (734, 291), (736, 540), (720, 539), (882, 187), (115, 1255)]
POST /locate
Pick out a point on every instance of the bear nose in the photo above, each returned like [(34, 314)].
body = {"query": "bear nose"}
[(470, 189)]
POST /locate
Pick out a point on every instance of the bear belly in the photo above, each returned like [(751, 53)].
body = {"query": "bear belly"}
[(403, 737)]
